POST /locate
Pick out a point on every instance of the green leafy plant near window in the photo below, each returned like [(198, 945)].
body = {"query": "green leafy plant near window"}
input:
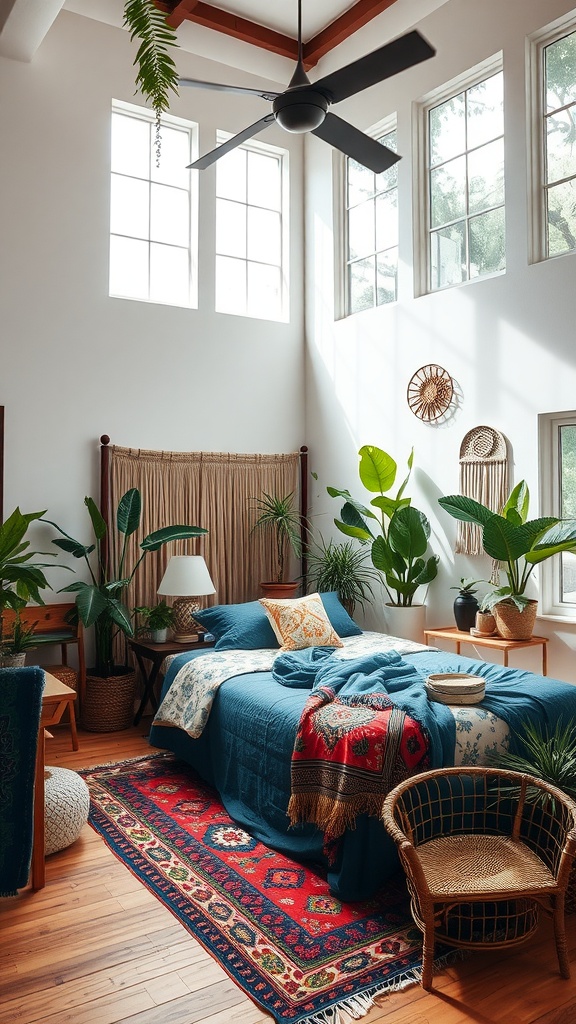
[(21, 580), (156, 75)]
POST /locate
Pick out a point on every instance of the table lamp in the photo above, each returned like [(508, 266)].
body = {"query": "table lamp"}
[(186, 578)]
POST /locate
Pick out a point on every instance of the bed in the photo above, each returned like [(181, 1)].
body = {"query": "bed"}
[(245, 745)]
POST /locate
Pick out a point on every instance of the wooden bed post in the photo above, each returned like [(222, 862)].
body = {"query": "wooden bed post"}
[(105, 492), (304, 515)]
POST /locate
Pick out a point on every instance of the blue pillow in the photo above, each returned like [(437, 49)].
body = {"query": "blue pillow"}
[(243, 627), (336, 612), (246, 627)]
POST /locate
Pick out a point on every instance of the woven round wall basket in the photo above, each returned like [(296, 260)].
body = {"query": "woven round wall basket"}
[(108, 704)]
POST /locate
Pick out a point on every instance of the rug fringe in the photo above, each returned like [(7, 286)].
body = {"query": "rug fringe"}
[(356, 1006), (129, 760)]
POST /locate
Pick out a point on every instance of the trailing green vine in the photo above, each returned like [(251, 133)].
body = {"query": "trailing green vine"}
[(156, 74)]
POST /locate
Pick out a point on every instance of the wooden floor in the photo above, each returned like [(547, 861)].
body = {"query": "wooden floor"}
[(95, 947)]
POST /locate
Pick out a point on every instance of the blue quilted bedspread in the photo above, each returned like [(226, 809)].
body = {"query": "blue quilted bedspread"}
[(245, 752)]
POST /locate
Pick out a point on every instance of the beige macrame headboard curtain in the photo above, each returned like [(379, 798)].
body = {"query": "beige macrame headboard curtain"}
[(214, 490), (484, 477)]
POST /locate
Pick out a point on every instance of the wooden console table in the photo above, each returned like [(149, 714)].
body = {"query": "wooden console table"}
[(55, 699), (495, 642)]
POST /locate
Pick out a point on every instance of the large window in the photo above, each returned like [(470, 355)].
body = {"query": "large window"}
[(251, 232), (557, 436), (465, 171), (152, 228), (371, 233), (557, 67)]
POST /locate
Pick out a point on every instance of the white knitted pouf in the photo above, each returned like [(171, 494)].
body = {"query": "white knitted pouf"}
[(67, 805)]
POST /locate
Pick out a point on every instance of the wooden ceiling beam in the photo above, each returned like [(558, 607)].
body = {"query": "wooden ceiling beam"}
[(359, 15), (231, 25)]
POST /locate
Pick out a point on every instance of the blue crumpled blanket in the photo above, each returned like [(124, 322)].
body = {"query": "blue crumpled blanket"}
[(384, 672)]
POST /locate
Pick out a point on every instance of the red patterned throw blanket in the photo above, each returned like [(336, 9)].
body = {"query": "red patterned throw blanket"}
[(349, 752)]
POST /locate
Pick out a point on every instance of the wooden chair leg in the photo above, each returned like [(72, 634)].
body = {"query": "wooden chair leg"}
[(73, 732), (38, 864), (560, 935), (428, 950)]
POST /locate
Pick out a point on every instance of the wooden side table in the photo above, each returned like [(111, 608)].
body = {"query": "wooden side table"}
[(495, 642), (55, 699), (145, 650)]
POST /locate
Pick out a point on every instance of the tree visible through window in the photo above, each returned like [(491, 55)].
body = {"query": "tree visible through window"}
[(250, 233), (557, 443), (150, 209), (466, 184), (560, 144), (372, 233)]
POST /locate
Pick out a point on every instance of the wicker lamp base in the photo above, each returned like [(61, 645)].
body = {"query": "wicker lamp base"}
[(108, 703)]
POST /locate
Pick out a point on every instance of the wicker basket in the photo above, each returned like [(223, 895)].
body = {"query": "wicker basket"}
[(108, 704), (513, 624)]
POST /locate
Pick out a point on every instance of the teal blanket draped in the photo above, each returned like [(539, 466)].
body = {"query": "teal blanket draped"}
[(20, 709), (385, 672)]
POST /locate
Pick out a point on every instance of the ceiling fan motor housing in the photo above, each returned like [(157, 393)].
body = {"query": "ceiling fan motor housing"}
[(300, 111)]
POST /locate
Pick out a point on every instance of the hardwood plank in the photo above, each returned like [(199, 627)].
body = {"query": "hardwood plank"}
[(95, 947)]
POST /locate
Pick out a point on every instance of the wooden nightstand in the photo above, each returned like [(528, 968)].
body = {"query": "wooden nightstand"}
[(145, 650), (495, 642)]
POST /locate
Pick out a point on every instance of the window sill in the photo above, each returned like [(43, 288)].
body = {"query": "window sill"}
[(567, 620)]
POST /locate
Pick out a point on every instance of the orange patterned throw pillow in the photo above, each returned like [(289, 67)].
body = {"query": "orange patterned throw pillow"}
[(300, 623)]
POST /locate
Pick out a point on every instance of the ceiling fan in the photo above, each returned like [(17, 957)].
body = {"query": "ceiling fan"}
[(304, 105)]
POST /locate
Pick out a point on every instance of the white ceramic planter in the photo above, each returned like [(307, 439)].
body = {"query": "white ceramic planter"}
[(159, 636), (407, 623)]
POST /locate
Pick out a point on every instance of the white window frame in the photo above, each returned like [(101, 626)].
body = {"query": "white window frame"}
[(549, 466), (283, 155), (341, 311), (420, 182), (144, 114), (536, 43)]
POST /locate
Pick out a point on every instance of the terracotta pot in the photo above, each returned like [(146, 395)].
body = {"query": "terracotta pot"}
[(513, 624), (108, 702), (279, 590)]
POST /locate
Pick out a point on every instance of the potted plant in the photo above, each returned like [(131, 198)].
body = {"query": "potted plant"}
[(109, 699), (281, 518), (518, 544), (341, 567), (14, 644), (157, 621), (21, 580), (466, 604), (398, 534)]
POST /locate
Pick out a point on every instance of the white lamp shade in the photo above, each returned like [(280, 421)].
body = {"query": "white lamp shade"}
[(186, 576)]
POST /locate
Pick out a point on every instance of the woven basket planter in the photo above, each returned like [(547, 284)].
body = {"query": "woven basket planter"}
[(108, 703), (513, 624)]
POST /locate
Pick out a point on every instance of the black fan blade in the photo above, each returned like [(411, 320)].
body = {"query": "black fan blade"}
[(227, 147), (388, 60), (356, 144), (197, 84)]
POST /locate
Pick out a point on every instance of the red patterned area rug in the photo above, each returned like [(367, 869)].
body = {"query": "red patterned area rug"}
[(298, 952)]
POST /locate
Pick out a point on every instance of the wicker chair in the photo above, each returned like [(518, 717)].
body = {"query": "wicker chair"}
[(483, 849)]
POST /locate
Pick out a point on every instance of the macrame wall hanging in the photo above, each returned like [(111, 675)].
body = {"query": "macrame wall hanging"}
[(484, 477)]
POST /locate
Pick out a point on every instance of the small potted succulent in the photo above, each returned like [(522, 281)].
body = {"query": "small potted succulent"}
[(465, 604), (157, 621), (14, 644)]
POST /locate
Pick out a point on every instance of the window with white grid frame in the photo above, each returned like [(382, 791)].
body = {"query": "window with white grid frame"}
[(556, 76), (557, 456), (153, 233), (465, 170), (371, 232), (251, 232)]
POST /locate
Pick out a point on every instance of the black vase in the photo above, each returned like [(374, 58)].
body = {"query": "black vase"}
[(465, 608)]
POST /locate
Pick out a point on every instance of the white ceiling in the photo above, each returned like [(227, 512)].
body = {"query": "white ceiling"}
[(24, 23)]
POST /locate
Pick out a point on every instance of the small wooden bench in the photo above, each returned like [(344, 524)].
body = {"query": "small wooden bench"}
[(51, 626)]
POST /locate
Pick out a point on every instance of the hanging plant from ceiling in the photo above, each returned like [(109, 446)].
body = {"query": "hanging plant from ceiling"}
[(156, 71)]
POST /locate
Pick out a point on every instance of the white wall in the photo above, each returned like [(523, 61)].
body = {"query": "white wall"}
[(508, 342), (74, 363)]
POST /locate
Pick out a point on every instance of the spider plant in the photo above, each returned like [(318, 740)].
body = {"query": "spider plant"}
[(341, 567), (280, 516)]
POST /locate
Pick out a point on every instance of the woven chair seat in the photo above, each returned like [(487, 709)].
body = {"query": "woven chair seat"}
[(494, 866)]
